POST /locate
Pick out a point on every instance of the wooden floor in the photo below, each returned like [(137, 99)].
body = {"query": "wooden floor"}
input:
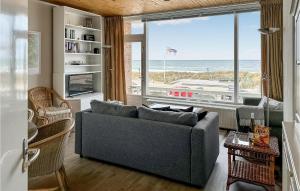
[(91, 175)]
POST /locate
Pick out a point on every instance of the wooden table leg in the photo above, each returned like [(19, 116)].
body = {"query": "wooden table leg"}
[(229, 170)]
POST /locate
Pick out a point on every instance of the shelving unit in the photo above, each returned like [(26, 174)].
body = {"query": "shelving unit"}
[(73, 54)]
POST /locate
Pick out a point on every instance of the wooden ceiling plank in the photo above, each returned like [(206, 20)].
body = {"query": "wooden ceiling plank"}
[(134, 7)]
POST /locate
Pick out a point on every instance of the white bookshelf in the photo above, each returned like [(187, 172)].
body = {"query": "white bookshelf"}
[(72, 53)]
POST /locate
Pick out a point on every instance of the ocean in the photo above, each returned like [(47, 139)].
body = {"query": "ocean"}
[(198, 65)]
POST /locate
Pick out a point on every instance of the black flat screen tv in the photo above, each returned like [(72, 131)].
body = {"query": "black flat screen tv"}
[(80, 84)]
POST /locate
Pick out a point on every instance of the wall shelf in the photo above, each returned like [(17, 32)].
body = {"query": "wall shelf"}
[(81, 27), (82, 65), (83, 41), (82, 53), (89, 72)]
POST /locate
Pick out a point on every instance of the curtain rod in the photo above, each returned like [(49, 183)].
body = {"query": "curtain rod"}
[(198, 12)]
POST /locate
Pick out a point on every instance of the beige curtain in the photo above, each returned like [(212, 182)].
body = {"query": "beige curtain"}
[(271, 16), (115, 86)]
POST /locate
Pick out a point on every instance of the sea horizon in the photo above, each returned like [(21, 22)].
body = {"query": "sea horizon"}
[(198, 65)]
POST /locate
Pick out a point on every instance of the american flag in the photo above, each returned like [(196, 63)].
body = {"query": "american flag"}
[(171, 51)]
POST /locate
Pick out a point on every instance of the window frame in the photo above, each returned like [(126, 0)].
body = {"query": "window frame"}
[(129, 38), (143, 38)]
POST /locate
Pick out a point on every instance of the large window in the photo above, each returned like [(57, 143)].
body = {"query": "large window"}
[(249, 55), (214, 58), (192, 58)]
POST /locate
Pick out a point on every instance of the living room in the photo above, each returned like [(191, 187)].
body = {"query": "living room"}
[(150, 95)]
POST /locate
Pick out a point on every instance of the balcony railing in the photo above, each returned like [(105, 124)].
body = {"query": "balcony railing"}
[(186, 93)]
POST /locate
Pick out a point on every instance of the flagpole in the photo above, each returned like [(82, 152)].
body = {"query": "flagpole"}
[(165, 69)]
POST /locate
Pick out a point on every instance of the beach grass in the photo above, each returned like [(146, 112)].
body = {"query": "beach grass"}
[(248, 80)]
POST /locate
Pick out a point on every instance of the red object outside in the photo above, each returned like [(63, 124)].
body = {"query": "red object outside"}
[(183, 94)]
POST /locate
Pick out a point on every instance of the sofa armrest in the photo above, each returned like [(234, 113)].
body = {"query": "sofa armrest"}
[(78, 132), (251, 101), (276, 118), (204, 148)]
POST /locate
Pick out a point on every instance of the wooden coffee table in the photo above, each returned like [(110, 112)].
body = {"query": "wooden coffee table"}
[(249, 163)]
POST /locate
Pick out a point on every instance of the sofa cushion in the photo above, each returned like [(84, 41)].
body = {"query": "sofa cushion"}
[(273, 104), (201, 115), (182, 118), (113, 109), (163, 108)]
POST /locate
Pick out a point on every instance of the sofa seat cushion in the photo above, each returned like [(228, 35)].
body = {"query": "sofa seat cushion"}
[(182, 118), (51, 111), (113, 109)]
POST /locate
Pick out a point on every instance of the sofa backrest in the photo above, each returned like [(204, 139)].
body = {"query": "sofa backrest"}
[(149, 145), (103, 107), (181, 118)]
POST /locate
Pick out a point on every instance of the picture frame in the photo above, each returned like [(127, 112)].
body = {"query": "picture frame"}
[(34, 52)]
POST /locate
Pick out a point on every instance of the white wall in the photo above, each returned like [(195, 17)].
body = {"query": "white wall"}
[(288, 62), (134, 100), (40, 19)]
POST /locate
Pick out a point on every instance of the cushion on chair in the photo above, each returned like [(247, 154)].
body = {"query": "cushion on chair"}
[(273, 104), (50, 111)]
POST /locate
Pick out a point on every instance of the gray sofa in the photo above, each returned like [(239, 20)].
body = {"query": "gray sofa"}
[(179, 152)]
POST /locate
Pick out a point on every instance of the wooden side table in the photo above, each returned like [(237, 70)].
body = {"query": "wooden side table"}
[(249, 163)]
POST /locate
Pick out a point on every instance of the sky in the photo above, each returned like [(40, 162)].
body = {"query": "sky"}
[(202, 38)]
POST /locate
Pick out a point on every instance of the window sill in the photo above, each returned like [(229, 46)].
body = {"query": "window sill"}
[(163, 100)]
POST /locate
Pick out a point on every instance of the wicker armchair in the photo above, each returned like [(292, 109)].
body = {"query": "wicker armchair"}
[(30, 115), (51, 140), (48, 105)]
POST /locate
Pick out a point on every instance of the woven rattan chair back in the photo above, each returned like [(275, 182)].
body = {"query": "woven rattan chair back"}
[(51, 140), (40, 97)]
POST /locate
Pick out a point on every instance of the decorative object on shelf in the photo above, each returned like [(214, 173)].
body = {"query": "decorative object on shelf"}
[(261, 136), (76, 63), (89, 22), (89, 37), (96, 50), (77, 46), (69, 33), (66, 33), (34, 52), (71, 47), (89, 48), (266, 76)]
